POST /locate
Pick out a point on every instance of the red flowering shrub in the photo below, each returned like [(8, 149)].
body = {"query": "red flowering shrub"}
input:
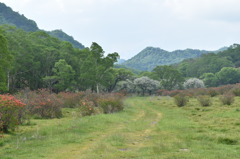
[(43, 104), (86, 108), (71, 100), (10, 110)]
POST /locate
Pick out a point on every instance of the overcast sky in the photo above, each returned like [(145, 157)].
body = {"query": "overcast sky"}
[(128, 26)]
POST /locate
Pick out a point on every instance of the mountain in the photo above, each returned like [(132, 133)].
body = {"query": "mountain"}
[(10, 17), (120, 61), (65, 37), (151, 57)]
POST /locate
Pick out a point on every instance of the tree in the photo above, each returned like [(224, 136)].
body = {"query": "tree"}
[(63, 77), (193, 83), (96, 67), (210, 79), (169, 77), (228, 75), (5, 59), (145, 84), (118, 74)]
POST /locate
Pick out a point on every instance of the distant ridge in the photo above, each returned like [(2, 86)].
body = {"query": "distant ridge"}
[(10, 17), (151, 57)]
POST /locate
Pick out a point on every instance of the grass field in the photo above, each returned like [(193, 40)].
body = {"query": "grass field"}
[(148, 128)]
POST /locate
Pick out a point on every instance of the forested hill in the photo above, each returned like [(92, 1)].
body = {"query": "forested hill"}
[(151, 57), (10, 17), (65, 37)]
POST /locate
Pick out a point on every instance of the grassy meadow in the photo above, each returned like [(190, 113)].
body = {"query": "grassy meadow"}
[(148, 128)]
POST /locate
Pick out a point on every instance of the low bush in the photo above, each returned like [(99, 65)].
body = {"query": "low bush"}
[(86, 108), (227, 99), (204, 100), (71, 100), (43, 104), (111, 103), (10, 112), (181, 100), (236, 91)]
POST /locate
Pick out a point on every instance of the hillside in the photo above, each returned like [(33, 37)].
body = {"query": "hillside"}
[(65, 37), (151, 57), (10, 17)]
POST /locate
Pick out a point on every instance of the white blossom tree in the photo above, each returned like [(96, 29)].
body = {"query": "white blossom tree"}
[(193, 83), (145, 84)]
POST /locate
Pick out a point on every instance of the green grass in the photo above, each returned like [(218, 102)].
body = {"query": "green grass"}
[(148, 128)]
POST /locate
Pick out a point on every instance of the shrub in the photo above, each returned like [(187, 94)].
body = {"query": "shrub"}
[(44, 104), (86, 108), (227, 99), (236, 91), (10, 110), (212, 92), (181, 100), (71, 100), (111, 103), (204, 100)]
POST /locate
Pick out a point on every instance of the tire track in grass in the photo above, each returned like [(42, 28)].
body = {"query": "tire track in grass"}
[(77, 151)]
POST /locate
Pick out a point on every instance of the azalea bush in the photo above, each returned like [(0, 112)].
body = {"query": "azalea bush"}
[(70, 99), (10, 112), (44, 104), (86, 108)]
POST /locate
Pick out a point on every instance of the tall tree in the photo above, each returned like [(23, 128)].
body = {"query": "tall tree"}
[(169, 77), (5, 59)]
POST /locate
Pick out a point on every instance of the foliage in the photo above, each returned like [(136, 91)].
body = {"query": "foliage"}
[(181, 100), (111, 103), (193, 83), (70, 99), (210, 79), (65, 37), (145, 84), (151, 57), (10, 112), (227, 99), (169, 77), (228, 75), (5, 61), (207, 63), (14, 18), (43, 104), (204, 100), (86, 108)]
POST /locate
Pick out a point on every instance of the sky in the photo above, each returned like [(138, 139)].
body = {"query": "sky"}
[(129, 26)]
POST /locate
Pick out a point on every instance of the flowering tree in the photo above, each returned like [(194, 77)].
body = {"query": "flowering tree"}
[(193, 83), (145, 84)]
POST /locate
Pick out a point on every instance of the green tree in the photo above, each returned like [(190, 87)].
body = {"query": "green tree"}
[(169, 77), (210, 79), (5, 59), (63, 77), (228, 75), (118, 74)]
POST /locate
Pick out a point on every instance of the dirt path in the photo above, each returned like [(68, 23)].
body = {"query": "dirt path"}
[(135, 132)]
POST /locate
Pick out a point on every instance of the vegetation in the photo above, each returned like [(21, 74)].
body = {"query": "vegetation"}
[(151, 57), (149, 127), (65, 37), (9, 17)]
